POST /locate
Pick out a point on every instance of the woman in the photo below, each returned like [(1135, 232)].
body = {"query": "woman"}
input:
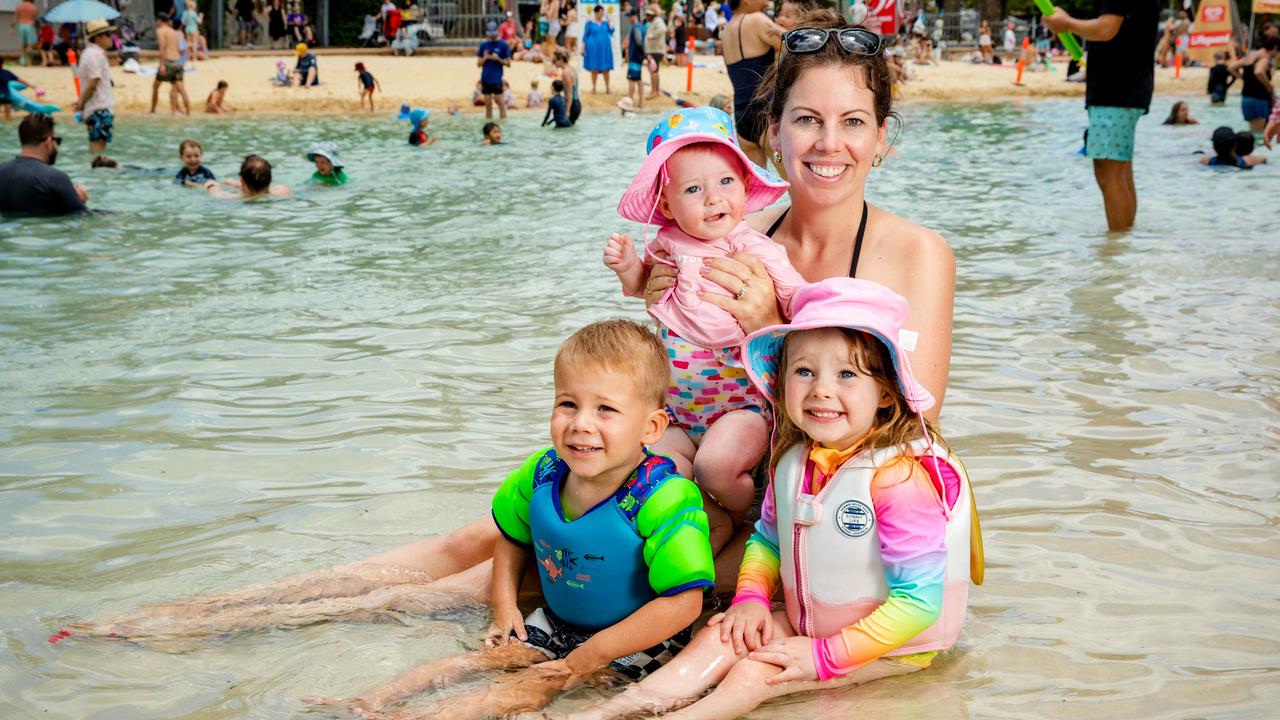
[(1180, 114), (570, 78), (749, 41), (1256, 89), (275, 24), (571, 29), (597, 48), (984, 43), (826, 111)]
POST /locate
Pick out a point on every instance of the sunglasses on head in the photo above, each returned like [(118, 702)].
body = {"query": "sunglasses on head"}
[(856, 40)]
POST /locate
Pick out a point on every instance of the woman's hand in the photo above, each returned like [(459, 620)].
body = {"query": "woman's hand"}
[(505, 622), (752, 299), (794, 655), (662, 277), (749, 625)]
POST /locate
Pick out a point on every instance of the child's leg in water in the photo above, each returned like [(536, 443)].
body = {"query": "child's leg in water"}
[(438, 673), (457, 558), (739, 681)]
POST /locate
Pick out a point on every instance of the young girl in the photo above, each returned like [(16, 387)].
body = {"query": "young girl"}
[(697, 184), (866, 525), (191, 20), (366, 83)]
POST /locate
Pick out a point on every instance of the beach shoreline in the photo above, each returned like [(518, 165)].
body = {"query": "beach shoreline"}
[(438, 81)]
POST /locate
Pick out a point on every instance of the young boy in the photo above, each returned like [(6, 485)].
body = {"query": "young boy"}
[(328, 166), (619, 539), (492, 134), (367, 83), (192, 173)]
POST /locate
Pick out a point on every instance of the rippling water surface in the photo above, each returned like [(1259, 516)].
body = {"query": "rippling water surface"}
[(200, 394)]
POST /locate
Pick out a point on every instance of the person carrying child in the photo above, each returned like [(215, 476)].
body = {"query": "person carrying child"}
[(328, 166), (192, 173), (697, 185), (866, 524), (619, 539), (366, 83)]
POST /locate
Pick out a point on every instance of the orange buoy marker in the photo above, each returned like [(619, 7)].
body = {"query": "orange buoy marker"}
[(1177, 66), (688, 79), (1022, 65)]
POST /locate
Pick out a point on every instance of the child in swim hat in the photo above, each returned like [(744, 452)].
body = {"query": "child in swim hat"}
[(865, 525), (328, 166), (419, 118), (696, 184)]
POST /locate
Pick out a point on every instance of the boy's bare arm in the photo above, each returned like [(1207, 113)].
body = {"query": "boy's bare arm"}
[(656, 621), (509, 563)]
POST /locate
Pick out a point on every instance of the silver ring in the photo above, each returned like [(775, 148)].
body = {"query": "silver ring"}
[(741, 291)]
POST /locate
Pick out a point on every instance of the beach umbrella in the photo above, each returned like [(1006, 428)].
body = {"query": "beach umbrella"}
[(80, 11)]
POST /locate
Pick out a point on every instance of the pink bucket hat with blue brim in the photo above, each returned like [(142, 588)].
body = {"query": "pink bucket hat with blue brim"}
[(840, 302), (675, 130)]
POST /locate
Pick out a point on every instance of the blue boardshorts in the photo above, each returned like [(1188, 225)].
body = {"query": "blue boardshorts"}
[(100, 124), (557, 638), (1254, 109), (1111, 131)]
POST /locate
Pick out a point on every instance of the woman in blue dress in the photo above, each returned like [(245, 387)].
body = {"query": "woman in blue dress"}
[(597, 48)]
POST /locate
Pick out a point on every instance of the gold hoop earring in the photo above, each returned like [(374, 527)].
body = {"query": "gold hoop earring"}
[(877, 161), (777, 158)]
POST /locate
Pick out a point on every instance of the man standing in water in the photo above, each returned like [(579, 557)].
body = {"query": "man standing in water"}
[(170, 70), (1118, 87), (29, 183), (97, 103)]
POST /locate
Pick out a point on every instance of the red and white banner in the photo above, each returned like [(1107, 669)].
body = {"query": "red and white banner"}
[(1211, 40), (1215, 21), (882, 16), (1267, 6)]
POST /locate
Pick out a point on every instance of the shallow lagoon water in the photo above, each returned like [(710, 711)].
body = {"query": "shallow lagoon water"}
[(201, 394)]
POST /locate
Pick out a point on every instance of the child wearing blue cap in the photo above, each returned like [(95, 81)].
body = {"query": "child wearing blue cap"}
[(419, 118)]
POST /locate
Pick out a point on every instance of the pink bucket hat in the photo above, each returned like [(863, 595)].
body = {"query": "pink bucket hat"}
[(676, 129), (841, 303)]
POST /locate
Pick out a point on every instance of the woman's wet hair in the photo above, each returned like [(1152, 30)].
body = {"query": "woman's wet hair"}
[(1173, 113), (787, 69)]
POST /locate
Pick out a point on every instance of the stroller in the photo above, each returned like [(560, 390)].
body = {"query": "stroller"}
[(371, 34)]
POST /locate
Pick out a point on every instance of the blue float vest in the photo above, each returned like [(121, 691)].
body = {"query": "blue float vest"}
[(592, 569)]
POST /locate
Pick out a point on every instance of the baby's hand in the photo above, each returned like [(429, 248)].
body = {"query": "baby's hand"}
[(504, 623), (749, 625), (620, 253)]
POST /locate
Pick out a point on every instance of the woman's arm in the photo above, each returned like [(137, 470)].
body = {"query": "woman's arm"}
[(926, 277)]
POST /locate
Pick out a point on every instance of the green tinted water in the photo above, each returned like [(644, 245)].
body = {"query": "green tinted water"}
[(200, 394)]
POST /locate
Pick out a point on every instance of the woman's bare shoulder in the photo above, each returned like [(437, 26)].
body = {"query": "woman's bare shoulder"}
[(916, 243)]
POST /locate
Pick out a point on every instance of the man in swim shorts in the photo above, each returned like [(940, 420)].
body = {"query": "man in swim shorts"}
[(1118, 87), (170, 68), (24, 20), (97, 103)]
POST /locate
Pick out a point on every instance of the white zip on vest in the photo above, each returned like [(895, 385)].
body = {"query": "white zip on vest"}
[(807, 511)]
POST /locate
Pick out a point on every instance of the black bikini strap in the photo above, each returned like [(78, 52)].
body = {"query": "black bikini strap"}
[(857, 244), (774, 227)]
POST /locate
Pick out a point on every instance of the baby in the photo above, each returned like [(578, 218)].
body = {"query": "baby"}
[(535, 95), (699, 184)]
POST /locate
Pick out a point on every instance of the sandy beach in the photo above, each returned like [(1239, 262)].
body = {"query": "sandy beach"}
[(435, 82)]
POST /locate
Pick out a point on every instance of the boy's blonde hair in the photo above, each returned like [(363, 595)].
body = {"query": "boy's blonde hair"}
[(896, 424), (624, 347), (182, 146)]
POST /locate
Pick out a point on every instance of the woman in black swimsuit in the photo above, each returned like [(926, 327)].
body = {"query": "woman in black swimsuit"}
[(749, 31)]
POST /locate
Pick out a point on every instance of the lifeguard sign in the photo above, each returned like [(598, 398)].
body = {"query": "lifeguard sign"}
[(1213, 29)]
